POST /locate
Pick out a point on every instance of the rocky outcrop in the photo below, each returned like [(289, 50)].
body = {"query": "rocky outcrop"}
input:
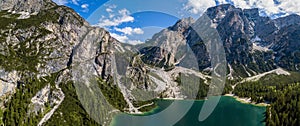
[(44, 45), (30, 6), (292, 19), (40, 44), (162, 49)]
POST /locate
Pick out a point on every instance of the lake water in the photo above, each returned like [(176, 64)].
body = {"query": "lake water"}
[(228, 112)]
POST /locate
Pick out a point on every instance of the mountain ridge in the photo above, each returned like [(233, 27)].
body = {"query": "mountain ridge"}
[(50, 51), (243, 33)]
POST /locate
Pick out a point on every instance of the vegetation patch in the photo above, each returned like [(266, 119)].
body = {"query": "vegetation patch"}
[(70, 112), (188, 84), (113, 94), (17, 109), (282, 92)]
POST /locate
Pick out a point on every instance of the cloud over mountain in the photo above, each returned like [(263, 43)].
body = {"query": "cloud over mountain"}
[(271, 8)]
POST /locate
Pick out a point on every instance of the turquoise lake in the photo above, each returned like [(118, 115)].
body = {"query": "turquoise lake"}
[(228, 112)]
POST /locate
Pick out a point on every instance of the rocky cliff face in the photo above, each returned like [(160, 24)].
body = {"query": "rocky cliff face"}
[(166, 44), (46, 50), (253, 44), (30, 6), (40, 44), (38, 40)]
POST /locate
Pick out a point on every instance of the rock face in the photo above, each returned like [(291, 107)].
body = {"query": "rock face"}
[(253, 44), (42, 43), (164, 46), (38, 50), (292, 19), (30, 6), (43, 47)]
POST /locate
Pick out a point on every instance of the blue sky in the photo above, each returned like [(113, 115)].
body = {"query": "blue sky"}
[(131, 21), (134, 21)]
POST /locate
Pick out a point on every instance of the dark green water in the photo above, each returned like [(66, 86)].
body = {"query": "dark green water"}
[(228, 112)]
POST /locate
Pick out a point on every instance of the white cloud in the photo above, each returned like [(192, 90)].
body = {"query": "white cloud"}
[(125, 16), (107, 22), (290, 6), (222, 1), (110, 8), (198, 6), (125, 39), (121, 38), (75, 2), (84, 6), (116, 19), (269, 7), (134, 42), (138, 31), (241, 3), (61, 2), (130, 31)]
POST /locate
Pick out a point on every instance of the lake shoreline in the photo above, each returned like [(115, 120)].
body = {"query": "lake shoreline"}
[(228, 107), (247, 100), (240, 99)]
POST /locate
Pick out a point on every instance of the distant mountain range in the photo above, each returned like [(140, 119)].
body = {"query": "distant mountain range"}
[(253, 44), (48, 52)]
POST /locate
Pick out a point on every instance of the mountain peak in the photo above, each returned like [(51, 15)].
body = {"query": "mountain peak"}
[(287, 20), (220, 8), (182, 24), (217, 13), (29, 6)]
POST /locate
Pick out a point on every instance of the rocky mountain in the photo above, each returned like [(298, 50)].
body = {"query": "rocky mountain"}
[(56, 69), (38, 42), (253, 44), (18, 6)]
